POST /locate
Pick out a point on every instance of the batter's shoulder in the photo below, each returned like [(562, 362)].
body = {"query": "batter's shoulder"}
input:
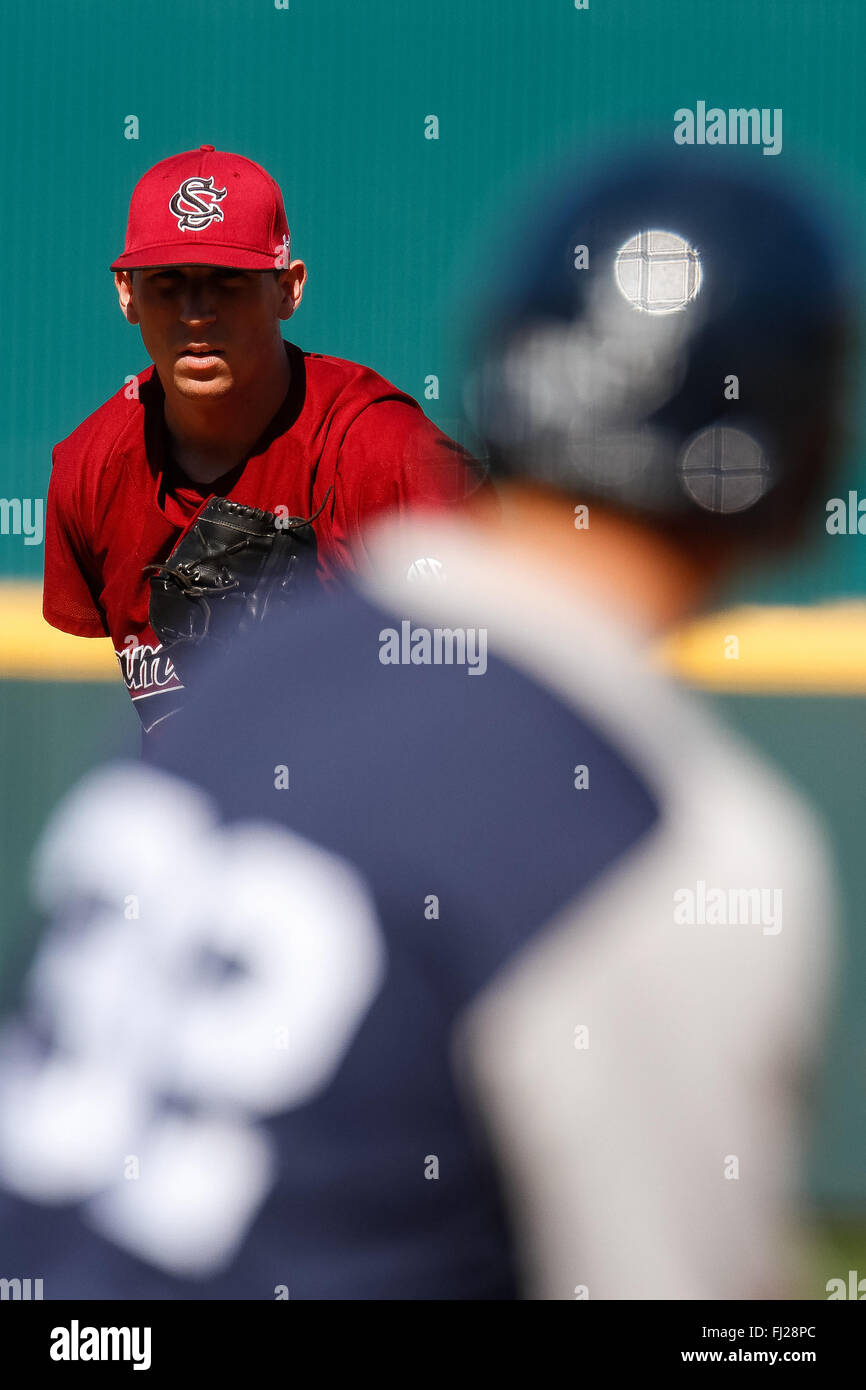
[(97, 437)]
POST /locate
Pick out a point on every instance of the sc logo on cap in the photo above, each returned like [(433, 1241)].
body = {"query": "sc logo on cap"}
[(195, 204)]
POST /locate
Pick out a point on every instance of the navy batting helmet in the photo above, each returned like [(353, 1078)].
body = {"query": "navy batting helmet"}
[(670, 341)]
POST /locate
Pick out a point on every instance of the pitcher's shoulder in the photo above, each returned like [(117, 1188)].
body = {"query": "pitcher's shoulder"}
[(97, 435), (342, 381)]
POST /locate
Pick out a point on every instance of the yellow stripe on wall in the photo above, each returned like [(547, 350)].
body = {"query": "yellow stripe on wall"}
[(32, 650), (818, 650)]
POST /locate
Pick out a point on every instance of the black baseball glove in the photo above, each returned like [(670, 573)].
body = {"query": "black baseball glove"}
[(235, 567)]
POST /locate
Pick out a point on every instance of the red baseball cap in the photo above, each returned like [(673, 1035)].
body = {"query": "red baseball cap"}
[(206, 207)]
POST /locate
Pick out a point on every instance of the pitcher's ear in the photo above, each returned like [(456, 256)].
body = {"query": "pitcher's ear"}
[(123, 280)]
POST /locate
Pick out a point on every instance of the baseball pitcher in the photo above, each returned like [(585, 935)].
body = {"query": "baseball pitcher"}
[(192, 503)]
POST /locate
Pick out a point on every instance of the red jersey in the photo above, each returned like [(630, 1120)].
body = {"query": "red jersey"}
[(117, 502)]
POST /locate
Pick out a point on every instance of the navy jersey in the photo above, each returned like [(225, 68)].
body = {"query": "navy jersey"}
[(365, 986)]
